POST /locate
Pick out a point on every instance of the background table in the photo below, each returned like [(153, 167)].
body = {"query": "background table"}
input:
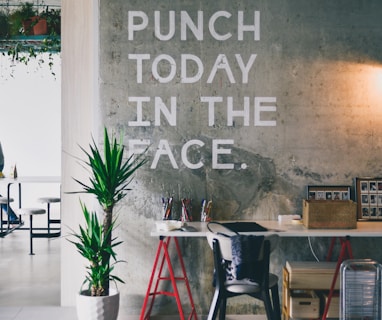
[(9, 182)]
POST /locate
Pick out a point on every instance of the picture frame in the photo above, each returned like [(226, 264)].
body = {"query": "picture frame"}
[(368, 195), (329, 193)]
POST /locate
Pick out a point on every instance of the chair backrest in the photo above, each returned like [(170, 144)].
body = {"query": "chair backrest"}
[(225, 244), (256, 267)]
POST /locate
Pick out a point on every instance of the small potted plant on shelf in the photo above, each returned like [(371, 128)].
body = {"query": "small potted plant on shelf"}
[(53, 19), (21, 19), (4, 25), (110, 177)]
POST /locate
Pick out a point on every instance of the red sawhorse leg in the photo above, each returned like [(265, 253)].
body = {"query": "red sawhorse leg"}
[(345, 253), (161, 257)]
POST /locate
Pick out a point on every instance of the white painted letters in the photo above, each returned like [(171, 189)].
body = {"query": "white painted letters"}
[(216, 151), (162, 70), (221, 63), (139, 21)]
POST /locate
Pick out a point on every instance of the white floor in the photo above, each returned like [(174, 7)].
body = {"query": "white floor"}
[(60, 313), (30, 284)]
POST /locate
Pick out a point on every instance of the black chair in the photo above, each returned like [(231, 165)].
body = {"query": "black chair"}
[(261, 285)]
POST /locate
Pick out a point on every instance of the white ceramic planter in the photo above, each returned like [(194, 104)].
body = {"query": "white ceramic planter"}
[(98, 308)]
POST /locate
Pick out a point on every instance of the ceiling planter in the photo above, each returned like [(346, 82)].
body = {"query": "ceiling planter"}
[(27, 32)]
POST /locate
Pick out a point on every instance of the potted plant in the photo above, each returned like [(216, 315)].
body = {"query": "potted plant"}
[(27, 21), (53, 19), (4, 25), (110, 177), (39, 25), (92, 244), (21, 19)]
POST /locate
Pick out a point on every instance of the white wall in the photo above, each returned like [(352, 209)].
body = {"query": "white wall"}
[(30, 127)]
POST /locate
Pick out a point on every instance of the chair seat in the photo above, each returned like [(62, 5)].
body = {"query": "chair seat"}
[(5, 200), (30, 211), (49, 199), (248, 286)]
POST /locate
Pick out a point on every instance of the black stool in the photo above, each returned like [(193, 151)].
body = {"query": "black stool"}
[(31, 212), (48, 201)]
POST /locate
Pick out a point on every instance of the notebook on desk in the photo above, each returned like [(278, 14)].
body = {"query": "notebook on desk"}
[(243, 226)]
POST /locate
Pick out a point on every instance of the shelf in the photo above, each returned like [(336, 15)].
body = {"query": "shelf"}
[(35, 42)]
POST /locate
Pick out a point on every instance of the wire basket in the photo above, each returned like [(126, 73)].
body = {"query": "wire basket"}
[(360, 294)]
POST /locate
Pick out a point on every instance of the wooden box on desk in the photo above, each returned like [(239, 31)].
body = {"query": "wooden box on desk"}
[(329, 214)]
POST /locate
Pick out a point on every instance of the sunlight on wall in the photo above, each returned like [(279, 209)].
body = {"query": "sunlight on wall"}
[(366, 86), (372, 76), (378, 84), (350, 89)]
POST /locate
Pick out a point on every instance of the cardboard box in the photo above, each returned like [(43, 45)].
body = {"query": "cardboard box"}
[(329, 214), (304, 304), (311, 275)]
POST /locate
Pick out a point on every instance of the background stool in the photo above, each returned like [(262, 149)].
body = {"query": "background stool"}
[(6, 201), (31, 212), (48, 201)]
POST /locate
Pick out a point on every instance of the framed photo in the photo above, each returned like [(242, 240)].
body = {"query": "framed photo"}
[(365, 213), (368, 195), (329, 193), (364, 199), (364, 186), (320, 195)]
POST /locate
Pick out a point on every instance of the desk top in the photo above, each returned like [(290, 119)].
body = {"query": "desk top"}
[(31, 179), (286, 229)]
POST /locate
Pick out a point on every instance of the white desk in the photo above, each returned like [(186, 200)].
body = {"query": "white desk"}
[(282, 229), (285, 229)]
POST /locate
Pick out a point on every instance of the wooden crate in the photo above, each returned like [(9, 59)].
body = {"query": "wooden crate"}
[(307, 276), (304, 304), (311, 275), (329, 214), (334, 308)]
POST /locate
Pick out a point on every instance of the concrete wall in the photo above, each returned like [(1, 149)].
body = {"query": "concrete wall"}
[(247, 123)]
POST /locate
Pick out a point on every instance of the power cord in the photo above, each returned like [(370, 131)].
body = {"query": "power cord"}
[(311, 249)]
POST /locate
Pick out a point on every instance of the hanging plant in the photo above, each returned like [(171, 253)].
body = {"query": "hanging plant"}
[(28, 34)]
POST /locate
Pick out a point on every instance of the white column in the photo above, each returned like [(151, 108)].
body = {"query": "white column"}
[(79, 121)]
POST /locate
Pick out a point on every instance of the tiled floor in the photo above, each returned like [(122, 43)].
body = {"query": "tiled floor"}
[(37, 313), (30, 282), (30, 285)]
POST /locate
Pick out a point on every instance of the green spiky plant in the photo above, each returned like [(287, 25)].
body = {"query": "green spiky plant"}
[(110, 177), (92, 244)]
